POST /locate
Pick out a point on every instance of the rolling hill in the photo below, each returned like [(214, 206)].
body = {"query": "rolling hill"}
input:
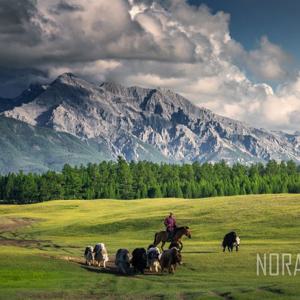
[(41, 248)]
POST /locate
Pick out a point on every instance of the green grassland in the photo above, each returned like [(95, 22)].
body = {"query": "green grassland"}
[(39, 244)]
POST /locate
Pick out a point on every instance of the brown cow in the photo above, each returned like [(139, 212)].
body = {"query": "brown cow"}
[(169, 259)]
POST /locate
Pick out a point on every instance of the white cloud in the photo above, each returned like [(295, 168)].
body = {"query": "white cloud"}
[(269, 61), (163, 43)]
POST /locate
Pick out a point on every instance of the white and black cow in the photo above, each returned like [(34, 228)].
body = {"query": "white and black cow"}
[(100, 255), (231, 240), (153, 256), (89, 255)]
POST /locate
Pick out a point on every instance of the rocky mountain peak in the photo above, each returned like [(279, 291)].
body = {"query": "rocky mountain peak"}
[(67, 76), (70, 79), (144, 123)]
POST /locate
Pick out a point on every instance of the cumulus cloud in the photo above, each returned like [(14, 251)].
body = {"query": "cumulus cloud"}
[(269, 61), (151, 43)]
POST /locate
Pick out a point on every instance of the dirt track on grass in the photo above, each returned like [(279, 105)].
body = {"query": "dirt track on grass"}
[(12, 224), (9, 235)]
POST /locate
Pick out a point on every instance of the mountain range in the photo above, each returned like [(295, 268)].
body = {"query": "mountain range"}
[(74, 121)]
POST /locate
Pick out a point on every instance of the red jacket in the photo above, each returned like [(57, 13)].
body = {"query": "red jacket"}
[(170, 223)]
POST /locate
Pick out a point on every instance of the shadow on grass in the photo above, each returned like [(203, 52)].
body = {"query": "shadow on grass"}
[(272, 289), (107, 270), (114, 271), (111, 268)]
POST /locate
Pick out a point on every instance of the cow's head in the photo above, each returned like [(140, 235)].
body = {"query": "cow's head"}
[(89, 249), (177, 258), (126, 256), (237, 243)]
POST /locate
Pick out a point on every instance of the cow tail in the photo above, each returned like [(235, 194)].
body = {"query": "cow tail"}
[(223, 243)]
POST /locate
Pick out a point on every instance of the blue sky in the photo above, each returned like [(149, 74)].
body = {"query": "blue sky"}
[(279, 20)]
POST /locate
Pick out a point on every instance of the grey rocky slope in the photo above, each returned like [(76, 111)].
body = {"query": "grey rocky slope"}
[(35, 149), (153, 124)]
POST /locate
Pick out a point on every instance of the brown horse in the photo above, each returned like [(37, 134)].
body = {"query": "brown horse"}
[(162, 236)]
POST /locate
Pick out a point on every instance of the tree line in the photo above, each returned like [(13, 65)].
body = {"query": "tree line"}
[(122, 180)]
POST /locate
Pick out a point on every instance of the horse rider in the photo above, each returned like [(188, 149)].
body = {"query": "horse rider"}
[(170, 223)]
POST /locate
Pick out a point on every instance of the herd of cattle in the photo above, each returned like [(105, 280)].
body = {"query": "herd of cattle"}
[(152, 259)]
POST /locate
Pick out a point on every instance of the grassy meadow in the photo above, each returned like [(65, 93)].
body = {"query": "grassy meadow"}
[(41, 248)]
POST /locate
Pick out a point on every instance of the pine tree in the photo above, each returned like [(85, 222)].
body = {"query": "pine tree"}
[(145, 179), (124, 178)]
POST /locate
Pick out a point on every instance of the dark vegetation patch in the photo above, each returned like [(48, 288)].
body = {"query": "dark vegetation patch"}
[(66, 207), (272, 289), (191, 295), (246, 290), (224, 295)]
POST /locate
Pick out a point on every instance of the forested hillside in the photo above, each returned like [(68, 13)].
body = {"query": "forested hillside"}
[(122, 180)]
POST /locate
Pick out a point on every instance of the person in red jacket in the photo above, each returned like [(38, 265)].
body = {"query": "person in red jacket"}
[(170, 223)]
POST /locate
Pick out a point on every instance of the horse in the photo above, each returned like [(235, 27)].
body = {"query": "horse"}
[(179, 232)]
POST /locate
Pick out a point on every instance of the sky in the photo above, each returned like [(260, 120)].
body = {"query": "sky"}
[(239, 58), (252, 19)]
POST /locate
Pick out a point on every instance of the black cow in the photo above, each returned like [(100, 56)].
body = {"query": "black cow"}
[(139, 259), (123, 261), (231, 240)]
